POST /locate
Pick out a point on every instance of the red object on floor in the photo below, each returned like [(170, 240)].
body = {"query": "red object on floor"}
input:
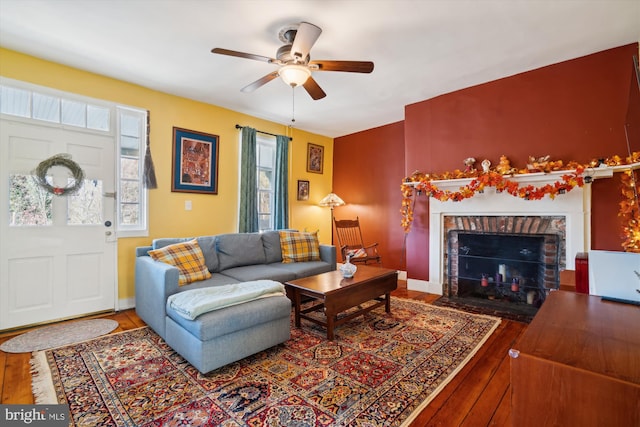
[(582, 273)]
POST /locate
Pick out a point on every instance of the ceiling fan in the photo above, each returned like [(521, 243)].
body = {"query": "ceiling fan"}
[(295, 62)]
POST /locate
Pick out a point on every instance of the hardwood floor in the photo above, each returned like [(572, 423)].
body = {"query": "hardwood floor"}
[(479, 395)]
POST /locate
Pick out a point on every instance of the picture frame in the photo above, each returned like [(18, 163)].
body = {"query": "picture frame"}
[(303, 190), (195, 162), (315, 158)]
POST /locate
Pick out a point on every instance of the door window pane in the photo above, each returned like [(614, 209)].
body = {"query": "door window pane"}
[(73, 113), (97, 118), (85, 206), (46, 107), (15, 102), (29, 204)]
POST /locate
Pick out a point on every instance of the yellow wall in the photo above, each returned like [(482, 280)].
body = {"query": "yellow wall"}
[(211, 214)]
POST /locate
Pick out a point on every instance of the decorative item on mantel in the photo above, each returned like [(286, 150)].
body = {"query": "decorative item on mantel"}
[(543, 164), (469, 163), (576, 176), (504, 167), (484, 281)]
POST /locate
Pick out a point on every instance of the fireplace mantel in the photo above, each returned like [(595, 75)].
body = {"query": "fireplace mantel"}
[(574, 205), (535, 178)]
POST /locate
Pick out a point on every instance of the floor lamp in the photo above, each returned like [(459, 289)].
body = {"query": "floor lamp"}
[(332, 200)]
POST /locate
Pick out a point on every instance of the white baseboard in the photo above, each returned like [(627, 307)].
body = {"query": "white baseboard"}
[(126, 303), (402, 275), (424, 286)]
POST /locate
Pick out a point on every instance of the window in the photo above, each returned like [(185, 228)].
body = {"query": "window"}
[(132, 196), (266, 159), (53, 108), (29, 205)]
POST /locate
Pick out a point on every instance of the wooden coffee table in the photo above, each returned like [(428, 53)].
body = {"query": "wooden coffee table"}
[(337, 294)]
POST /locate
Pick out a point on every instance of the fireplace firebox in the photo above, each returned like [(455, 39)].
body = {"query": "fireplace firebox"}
[(512, 271)]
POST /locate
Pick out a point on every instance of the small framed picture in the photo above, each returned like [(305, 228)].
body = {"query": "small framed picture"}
[(315, 158), (303, 190), (195, 162)]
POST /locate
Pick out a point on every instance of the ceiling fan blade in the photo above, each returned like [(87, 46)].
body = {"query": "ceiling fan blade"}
[(243, 55), (306, 36), (346, 66), (260, 82), (313, 89)]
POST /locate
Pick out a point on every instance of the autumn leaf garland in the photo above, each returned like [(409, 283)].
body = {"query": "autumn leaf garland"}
[(424, 183)]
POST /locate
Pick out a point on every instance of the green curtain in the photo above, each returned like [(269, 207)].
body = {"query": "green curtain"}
[(248, 215), (281, 202)]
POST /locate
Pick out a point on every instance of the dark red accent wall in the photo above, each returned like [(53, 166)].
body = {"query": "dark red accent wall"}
[(368, 168), (574, 110)]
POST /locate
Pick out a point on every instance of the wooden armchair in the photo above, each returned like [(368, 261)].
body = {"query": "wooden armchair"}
[(351, 243)]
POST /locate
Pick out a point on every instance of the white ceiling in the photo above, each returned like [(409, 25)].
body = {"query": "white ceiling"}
[(421, 48)]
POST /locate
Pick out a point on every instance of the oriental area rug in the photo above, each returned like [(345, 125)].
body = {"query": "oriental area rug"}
[(381, 369)]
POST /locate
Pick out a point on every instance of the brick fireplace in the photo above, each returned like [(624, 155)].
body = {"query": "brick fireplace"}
[(513, 259)]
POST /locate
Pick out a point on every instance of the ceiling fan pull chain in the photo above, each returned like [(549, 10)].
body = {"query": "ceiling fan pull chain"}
[(293, 104)]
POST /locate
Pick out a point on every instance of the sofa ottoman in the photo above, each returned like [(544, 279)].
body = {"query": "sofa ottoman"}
[(226, 335)]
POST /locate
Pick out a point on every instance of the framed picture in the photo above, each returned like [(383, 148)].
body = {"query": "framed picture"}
[(303, 190), (195, 162), (315, 158)]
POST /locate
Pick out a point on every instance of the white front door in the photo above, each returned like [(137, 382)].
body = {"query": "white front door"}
[(57, 253)]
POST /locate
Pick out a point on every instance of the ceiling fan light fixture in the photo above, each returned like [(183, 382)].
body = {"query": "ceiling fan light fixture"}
[(294, 75)]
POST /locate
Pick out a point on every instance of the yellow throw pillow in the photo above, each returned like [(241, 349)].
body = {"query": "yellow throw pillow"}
[(297, 247), (187, 257)]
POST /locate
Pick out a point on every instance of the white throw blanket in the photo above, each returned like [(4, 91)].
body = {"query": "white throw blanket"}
[(192, 303)]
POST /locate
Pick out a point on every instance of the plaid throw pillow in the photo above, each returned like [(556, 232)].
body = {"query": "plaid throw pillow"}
[(187, 257), (297, 247)]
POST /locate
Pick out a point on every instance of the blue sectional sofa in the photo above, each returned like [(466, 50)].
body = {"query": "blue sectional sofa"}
[(219, 337)]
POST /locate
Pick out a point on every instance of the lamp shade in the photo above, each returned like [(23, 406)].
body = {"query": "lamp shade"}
[(332, 200), (294, 75)]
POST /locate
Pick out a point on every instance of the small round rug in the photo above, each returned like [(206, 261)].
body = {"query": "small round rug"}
[(58, 335)]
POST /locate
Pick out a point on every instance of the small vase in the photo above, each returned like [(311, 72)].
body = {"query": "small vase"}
[(347, 269)]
